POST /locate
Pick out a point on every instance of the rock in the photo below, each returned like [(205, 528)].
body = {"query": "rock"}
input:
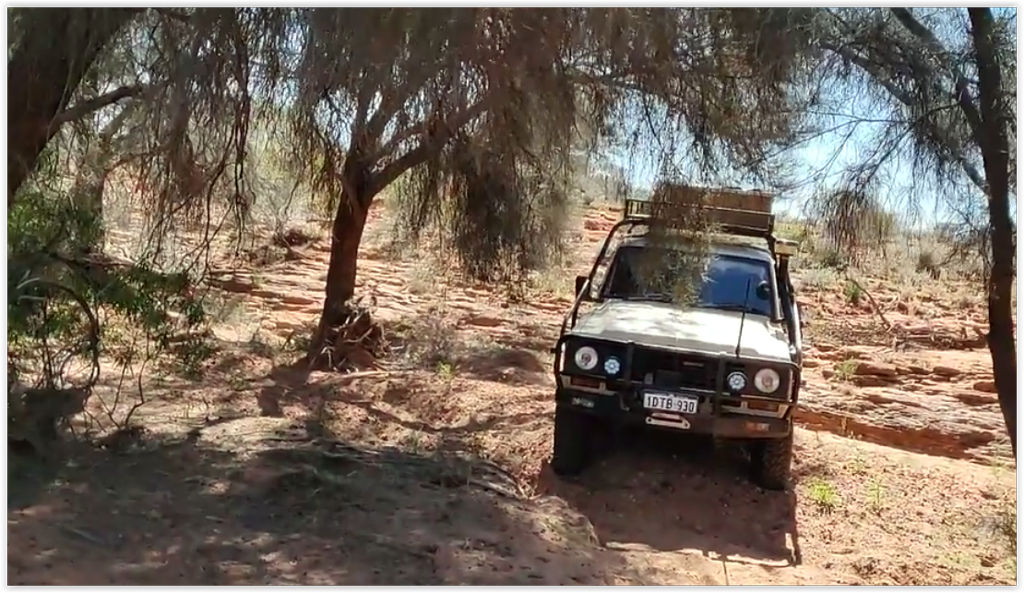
[(856, 353), (879, 369), (872, 381), (811, 363), (484, 321), (945, 371), (294, 299), (985, 386), (973, 399)]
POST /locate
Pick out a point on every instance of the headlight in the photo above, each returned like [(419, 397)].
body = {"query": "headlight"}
[(736, 381), (767, 380), (612, 366), (585, 358)]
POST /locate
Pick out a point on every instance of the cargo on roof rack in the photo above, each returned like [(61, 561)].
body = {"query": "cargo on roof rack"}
[(733, 211)]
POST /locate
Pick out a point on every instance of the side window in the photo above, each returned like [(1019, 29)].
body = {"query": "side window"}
[(597, 286), (620, 279)]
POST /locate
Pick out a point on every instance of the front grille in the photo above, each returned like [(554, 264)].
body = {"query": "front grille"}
[(672, 370)]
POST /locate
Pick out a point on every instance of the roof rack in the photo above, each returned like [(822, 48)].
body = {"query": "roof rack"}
[(733, 211)]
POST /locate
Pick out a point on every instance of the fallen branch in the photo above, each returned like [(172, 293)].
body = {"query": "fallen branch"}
[(346, 377), (874, 303)]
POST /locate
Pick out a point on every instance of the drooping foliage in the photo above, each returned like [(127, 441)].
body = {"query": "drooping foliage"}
[(484, 110), (392, 89)]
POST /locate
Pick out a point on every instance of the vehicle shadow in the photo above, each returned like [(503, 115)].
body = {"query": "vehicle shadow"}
[(670, 493)]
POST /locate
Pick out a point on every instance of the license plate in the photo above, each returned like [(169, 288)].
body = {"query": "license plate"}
[(667, 402)]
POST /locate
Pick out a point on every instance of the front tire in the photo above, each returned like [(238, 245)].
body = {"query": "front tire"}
[(771, 462), (571, 442)]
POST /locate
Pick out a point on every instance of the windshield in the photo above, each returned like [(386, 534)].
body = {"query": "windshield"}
[(724, 286)]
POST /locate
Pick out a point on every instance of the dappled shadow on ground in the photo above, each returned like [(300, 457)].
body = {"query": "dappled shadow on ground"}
[(670, 493), (293, 384), (282, 385), (266, 507), (476, 350), (417, 409), (501, 364)]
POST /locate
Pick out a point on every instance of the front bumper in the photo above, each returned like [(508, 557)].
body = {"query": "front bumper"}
[(625, 408)]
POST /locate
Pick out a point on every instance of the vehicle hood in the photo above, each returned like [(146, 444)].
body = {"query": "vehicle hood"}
[(665, 325)]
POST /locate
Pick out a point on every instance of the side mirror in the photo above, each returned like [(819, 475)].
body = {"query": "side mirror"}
[(581, 283), (763, 291)]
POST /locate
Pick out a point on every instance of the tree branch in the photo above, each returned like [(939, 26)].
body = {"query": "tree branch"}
[(871, 69), (963, 91), (84, 108), (392, 102), (57, 48), (427, 147), (879, 77)]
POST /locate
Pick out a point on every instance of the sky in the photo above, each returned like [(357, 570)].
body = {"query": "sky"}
[(819, 166)]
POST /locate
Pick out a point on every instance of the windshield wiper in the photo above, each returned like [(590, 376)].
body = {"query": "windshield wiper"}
[(738, 307), (642, 297)]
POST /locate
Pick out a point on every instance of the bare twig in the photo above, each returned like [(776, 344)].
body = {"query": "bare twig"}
[(871, 299)]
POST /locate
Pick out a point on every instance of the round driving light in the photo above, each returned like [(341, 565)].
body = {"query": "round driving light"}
[(736, 381), (586, 358), (767, 380), (612, 366)]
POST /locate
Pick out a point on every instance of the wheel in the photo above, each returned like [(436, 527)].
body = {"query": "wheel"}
[(572, 442), (771, 462)]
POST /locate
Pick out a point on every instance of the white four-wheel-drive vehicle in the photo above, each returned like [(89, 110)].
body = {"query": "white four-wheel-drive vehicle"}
[(726, 362)]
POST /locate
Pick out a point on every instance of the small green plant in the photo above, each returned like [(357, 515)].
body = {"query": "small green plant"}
[(831, 258), (446, 370), (824, 495), (67, 308), (413, 442), (1006, 526), (876, 494), (423, 279), (297, 341), (858, 465), (846, 369), (854, 293)]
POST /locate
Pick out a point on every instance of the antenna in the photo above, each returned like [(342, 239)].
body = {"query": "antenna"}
[(743, 317)]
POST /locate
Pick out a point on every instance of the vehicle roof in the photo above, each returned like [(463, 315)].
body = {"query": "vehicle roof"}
[(718, 247)]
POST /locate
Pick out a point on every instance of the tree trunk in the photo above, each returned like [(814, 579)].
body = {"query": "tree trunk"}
[(346, 235), (56, 48), (87, 193), (994, 144), (361, 185), (91, 181)]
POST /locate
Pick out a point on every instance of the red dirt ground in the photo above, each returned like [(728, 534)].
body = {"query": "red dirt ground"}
[(433, 469)]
